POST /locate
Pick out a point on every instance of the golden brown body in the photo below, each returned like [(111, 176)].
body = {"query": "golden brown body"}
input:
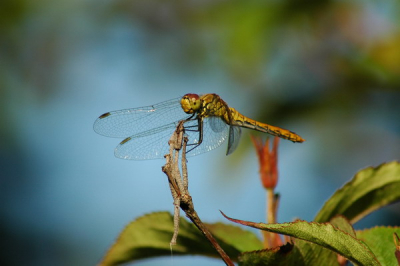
[(212, 105)]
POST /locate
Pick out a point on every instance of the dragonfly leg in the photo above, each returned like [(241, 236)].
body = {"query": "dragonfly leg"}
[(198, 128)]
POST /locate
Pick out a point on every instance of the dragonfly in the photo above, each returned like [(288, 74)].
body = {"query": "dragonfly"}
[(208, 122)]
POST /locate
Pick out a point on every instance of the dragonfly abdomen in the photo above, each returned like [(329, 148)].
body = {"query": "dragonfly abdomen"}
[(243, 121)]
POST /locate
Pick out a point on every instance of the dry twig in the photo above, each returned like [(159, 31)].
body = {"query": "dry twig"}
[(179, 189)]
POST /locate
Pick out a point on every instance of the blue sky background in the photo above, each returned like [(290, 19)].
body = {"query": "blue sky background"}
[(65, 197)]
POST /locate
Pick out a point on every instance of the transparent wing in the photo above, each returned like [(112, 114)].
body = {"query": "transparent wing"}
[(215, 132), (130, 122), (216, 124), (153, 144), (234, 137)]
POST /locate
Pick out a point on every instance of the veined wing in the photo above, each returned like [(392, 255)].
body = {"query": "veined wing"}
[(153, 144), (130, 122), (215, 132)]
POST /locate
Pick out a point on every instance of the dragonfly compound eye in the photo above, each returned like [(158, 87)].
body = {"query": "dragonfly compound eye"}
[(190, 103)]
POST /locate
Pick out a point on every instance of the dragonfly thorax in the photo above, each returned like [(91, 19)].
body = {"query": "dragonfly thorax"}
[(190, 103)]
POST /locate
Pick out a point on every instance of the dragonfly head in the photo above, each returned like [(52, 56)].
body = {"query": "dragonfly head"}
[(190, 103)]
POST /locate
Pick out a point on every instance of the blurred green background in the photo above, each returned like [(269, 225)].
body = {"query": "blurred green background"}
[(328, 70)]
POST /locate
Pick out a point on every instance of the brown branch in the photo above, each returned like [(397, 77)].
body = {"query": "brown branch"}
[(179, 189)]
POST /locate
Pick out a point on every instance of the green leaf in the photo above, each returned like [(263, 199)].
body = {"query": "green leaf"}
[(235, 237), (343, 224), (380, 241), (370, 189), (301, 253), (150, 236), (325, 235)]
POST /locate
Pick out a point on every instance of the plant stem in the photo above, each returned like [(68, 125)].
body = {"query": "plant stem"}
[(180, 192)]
